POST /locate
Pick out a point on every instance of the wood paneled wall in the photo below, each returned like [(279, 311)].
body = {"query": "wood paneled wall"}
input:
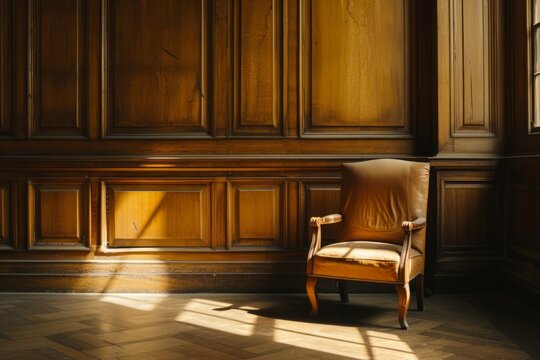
[(192, 139)]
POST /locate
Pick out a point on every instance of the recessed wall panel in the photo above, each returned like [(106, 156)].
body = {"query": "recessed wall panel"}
[(322, 199), (256, 215), (258, 67), (58, 67), (159, 215), (6, 66), (155, 56), (355, 76), (58, 215)]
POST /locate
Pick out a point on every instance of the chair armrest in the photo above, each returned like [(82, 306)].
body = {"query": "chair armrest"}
[(417, 224), (315, 224), (408, 228), (328, 219)]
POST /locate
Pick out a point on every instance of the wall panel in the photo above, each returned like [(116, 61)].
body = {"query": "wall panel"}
[(58, 85), (468, 229), (258, 67), (470, 76), (355, 67), (155, 67), (256, 214), (6, 67), (58, 214), (158, 215), (321, 199), (5, 215)]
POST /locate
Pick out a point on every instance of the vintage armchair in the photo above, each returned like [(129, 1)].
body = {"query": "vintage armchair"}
[(382, 237)]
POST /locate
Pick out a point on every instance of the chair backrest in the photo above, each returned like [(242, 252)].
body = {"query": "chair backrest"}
[(378, 195)]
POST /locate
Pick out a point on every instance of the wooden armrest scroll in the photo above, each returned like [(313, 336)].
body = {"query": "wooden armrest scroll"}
[(328, 219), (419, 223)]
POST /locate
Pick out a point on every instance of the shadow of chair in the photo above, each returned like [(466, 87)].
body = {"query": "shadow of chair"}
[(382, 237)]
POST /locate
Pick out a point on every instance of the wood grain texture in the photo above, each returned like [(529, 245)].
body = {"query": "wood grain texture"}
[(6, 67), (322, 199), (58, 214), (159, 215), (58, 84), (468, 223), (256, 214), (156, 67), (355, 62), (258, 67), (251, 326), (470, 76), (468, 213), (522, 235), (4, 215)]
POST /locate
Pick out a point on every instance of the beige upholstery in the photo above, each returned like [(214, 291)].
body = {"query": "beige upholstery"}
[(364, 260), (382, 237)]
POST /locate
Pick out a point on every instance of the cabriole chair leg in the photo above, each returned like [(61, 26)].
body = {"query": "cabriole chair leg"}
[(404, 296), (312, 294)]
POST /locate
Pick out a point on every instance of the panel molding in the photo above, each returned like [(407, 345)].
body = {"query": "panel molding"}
[(249, 124), (393, 129), (6, 68), (110, 129), (8, 216), (251, 225), (79, 124), (76, 232), (449, 184), (465, 121), (470, 81), (157, 225)]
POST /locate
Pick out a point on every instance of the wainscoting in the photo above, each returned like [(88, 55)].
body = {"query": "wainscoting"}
[(183, 145)]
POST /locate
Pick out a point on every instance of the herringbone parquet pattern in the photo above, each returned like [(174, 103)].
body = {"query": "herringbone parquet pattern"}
[(239, 326)]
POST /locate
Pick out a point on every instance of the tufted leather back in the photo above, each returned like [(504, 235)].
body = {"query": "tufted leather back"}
[(378, 195)]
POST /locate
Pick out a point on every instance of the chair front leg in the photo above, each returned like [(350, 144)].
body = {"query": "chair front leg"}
[(420, 292), (404, 296), (312, 294)]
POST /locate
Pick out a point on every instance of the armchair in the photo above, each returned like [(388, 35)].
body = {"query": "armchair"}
[(382, 238)]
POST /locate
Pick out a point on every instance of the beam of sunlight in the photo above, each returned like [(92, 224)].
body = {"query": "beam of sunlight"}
[(143, 303), (207, 313), (388, 346)]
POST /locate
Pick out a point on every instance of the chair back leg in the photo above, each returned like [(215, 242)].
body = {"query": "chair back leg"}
[(420, 292), (343, 291)]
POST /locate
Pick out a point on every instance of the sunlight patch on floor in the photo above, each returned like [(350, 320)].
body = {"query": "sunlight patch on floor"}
[(218, 316), (142, 303)]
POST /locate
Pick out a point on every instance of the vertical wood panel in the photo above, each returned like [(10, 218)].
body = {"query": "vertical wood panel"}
[(355, 75), (468, 210), (474, 63), (6, 66), (468, 216), (155, 63), (159, 215), (322, 199), (58, 68), (256, 214), (4, 215), (58, 214), (258, 67), (521, 215)]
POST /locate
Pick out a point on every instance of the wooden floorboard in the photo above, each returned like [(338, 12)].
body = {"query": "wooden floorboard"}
[(241, 326)]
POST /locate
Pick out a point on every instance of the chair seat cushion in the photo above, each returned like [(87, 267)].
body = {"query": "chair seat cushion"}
[(364, 260)]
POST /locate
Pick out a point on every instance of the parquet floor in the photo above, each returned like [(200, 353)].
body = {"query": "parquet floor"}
[(241, 326)]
